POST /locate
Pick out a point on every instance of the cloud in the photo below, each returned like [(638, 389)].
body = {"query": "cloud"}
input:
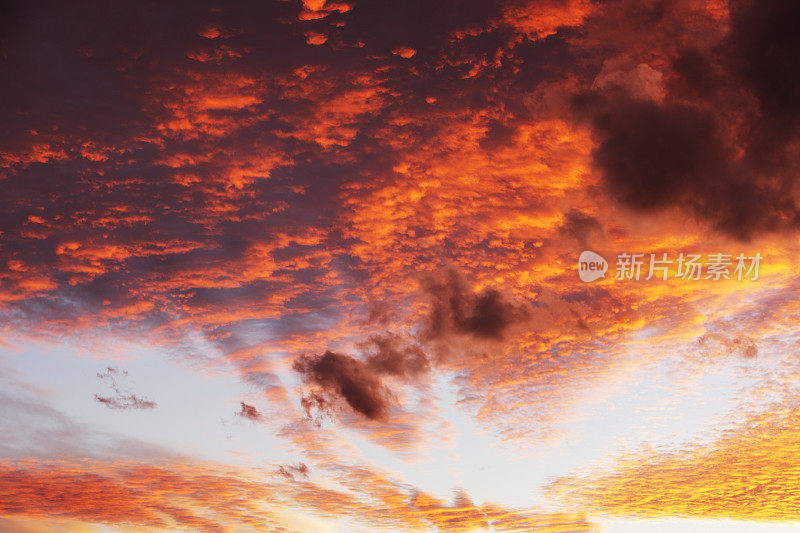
[(759, 51), (393, 355), (132, 494), (741, 475), (641, 81), (359, 381), (541, 18), (582, 227), (121, 399), (129, 401), (456, 309), (715, 344), (290, 471), (342, 376), (249, 412), (183, 183), (715, 139), (655, 155)]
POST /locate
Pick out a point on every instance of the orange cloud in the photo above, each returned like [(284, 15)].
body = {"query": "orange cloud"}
[(746, 474), (206, 497)]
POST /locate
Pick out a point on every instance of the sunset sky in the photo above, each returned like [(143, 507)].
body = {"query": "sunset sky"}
[(313, 266)]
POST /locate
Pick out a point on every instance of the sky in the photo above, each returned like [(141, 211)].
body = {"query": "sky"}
[(354, 266)]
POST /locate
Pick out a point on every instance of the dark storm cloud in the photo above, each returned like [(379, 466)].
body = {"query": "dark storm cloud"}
[(654, 155), (359, 381), (703, 147), (456, 309), (343, 376), (760, 55), (762, 50)]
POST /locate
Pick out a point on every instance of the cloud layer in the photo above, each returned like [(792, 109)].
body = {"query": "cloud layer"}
[(368, 209)]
